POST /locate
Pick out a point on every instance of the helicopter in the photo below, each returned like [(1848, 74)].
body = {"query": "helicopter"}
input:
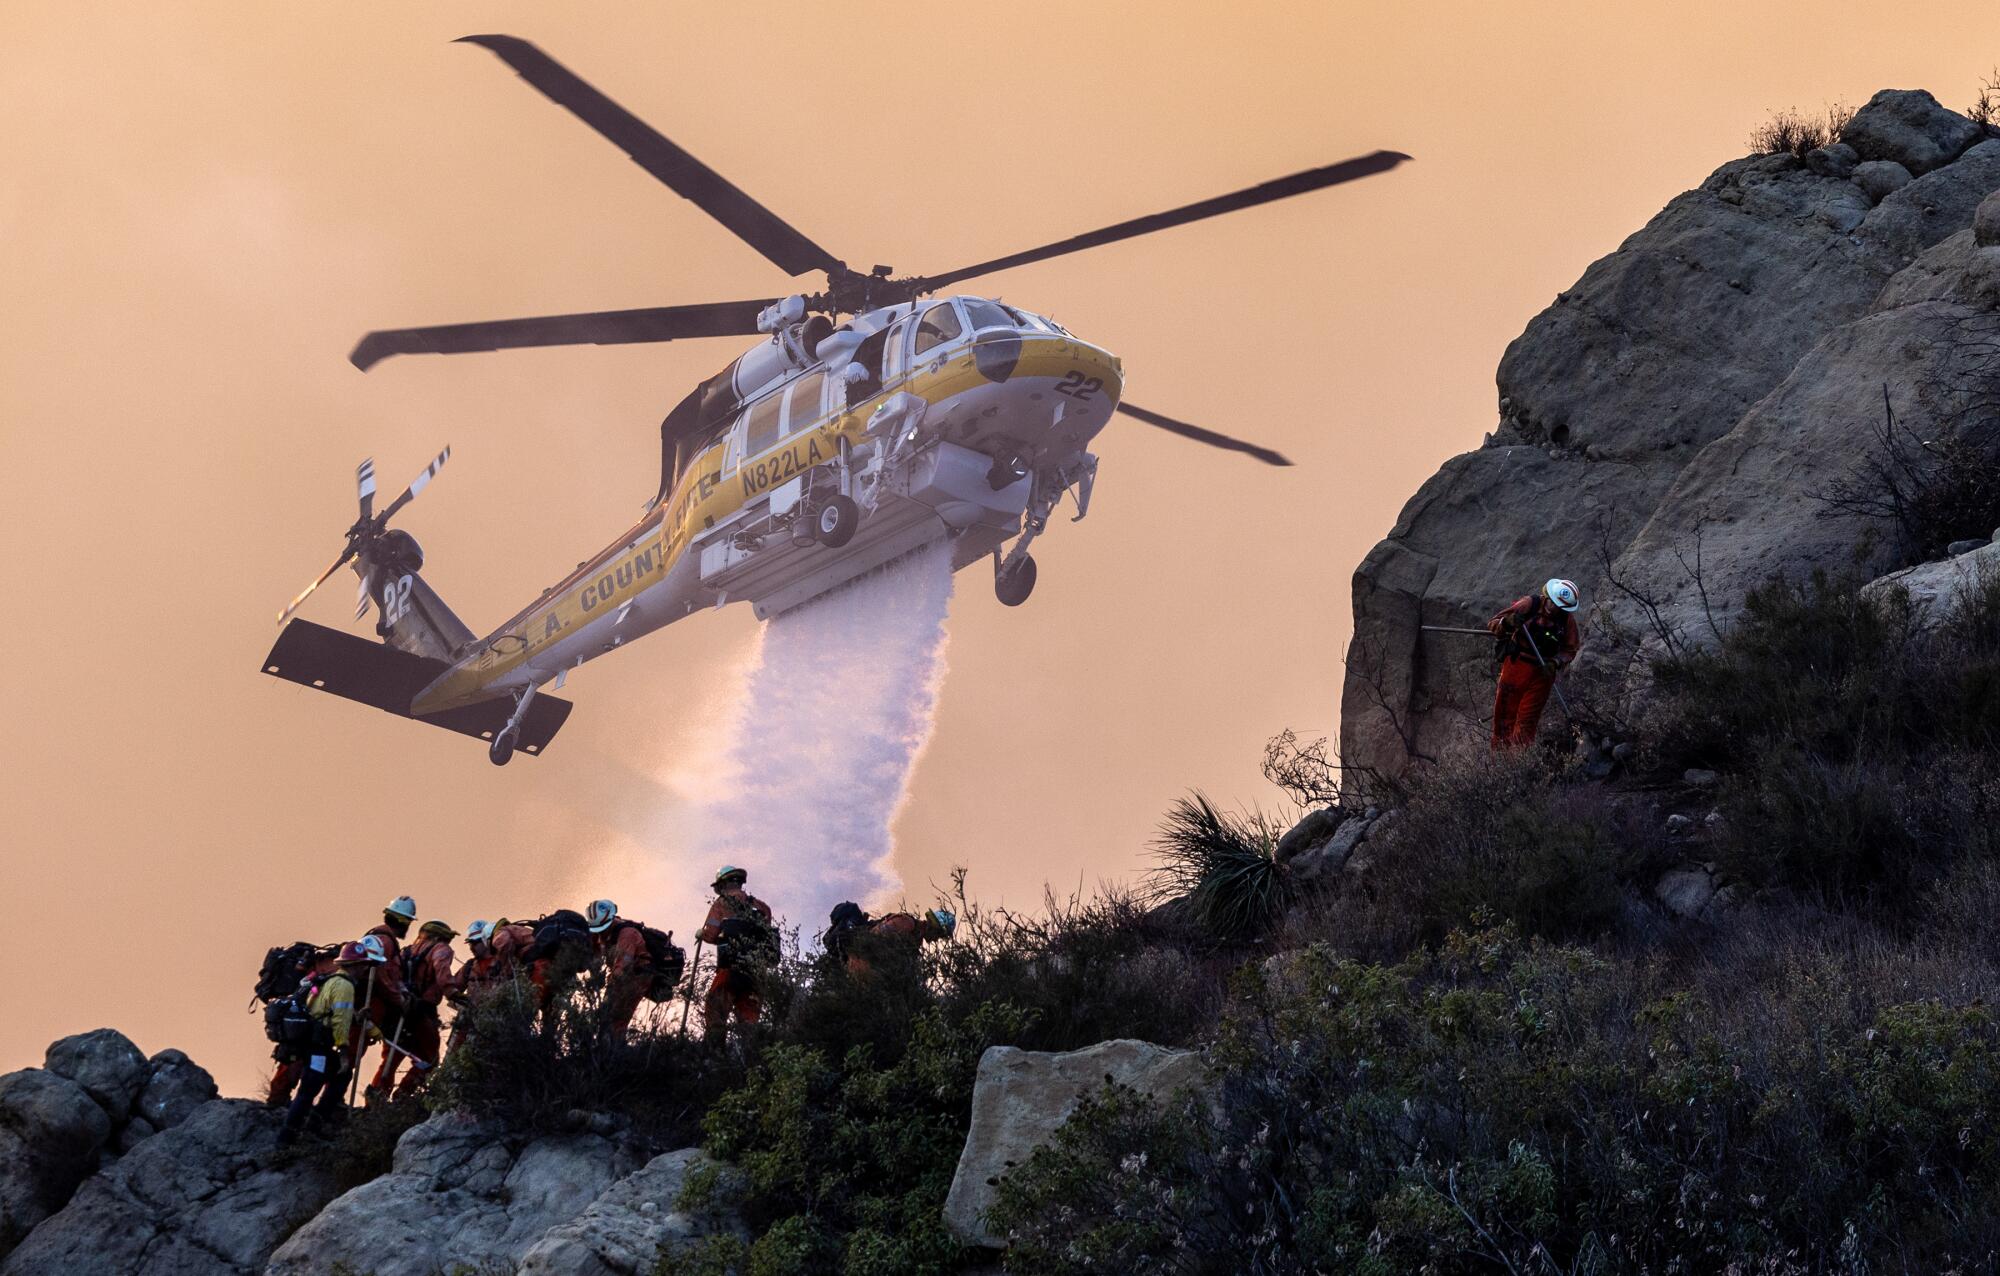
[(877, 416)]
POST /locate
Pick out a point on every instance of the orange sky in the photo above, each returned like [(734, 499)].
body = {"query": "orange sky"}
[(202, 207)]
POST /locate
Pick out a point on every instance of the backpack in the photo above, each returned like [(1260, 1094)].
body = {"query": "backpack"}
[(846, 919), (558, 930), (282, 970), (288, 1020), (665, 958)]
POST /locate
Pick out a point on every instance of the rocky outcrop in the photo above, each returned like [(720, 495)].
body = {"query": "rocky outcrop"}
[(1938, 591), (203, 1198), (1908, 127), (50, 1133), (1688, 389), (676, 1201), (460, 1191), (1021, 1096), (96, 1098)]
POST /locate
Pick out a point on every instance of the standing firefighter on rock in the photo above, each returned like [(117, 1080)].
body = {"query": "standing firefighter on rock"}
[(640, 963), (1538, 638), (415, 1035), (746, 944)]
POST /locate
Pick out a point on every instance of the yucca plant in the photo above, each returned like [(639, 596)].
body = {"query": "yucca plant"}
[(1225, 866)]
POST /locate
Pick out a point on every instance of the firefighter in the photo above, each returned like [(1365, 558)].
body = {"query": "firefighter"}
[(739, 925), (1538, 639), (337, 1025), (427, 978), (905, 930), (497, 952), (628, 966)]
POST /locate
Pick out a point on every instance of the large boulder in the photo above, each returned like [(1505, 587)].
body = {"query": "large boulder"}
[(1653, 400), (1939, 591), (205, 1198), (460, 1191), (51, 1131), (104, 1062), (1909, 127), (1019, 1099), (175, 1086), (676, 1201)]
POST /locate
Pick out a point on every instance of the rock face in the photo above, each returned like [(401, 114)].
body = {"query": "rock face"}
[(1688, 388), (1910, 128), (461, 1191), (103, 1062), (50, 1133), (97, 1099), (204, 1198), (626, 1230), (1021, 1096), (175, 1086)]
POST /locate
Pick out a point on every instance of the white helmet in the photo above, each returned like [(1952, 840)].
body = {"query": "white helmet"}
[(479, 932), (372, 950), (1561, 592), (404, 907), (602, 913)]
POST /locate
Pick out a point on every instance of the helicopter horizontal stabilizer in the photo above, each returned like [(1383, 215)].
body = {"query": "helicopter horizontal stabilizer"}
[(376, 674)]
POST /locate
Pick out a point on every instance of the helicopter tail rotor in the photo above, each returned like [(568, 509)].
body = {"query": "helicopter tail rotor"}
[(370, 531)]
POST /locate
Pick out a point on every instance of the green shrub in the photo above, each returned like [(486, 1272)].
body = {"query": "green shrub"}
[(849, 1162), (1500, 1104), (1515, 835), (536, 1069), (1224, 867)]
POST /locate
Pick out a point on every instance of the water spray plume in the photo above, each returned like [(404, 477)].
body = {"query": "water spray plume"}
[(836, 712)]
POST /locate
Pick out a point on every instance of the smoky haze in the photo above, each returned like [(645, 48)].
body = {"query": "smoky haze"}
[(202, 207)]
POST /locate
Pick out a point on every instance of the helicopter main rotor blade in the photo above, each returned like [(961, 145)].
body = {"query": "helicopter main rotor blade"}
[(307, 592), (1199, 435), (599, 328), (417, 484), (1283, 188), (687, 176)]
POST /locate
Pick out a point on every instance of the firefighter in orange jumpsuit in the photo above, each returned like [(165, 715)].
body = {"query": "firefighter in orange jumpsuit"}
[(739, 925), (498, 951), (936, 924), (1538, 638), (385, 1000), (427, 978), (628, 967)]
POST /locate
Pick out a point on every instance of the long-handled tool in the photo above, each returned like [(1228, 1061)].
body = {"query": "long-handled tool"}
[(1455, 629), (687, 1001), (359, 1033)]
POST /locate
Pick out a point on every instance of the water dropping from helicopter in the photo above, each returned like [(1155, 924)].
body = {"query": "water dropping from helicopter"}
[(837, 709)]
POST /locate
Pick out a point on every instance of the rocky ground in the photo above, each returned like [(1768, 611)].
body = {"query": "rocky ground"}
[(124, 1164)]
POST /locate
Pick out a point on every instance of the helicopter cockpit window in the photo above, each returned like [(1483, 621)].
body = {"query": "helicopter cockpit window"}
[(939, 325), (803, 403), (762, 422), (1022, 319), (984, 314)]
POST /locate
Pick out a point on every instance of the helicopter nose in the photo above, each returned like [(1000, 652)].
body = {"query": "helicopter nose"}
[(996, 354)]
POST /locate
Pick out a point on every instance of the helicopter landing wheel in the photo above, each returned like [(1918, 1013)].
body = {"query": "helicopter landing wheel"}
[(836, 522), (1012, 588), (502, 748)]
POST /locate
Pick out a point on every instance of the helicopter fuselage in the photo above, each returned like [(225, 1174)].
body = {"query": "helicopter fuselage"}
[(962, 419)]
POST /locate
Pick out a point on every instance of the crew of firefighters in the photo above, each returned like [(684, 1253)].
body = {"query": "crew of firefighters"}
[(389, 988)]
